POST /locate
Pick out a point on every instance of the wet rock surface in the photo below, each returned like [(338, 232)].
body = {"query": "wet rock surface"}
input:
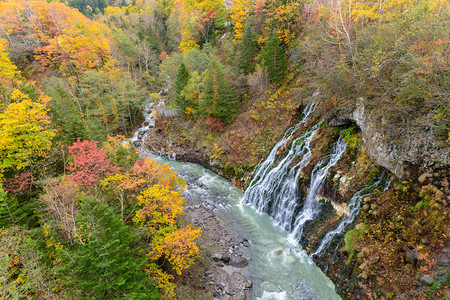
[(226, 269)]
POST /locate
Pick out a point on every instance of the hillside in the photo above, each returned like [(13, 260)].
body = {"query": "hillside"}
[(262, 93)]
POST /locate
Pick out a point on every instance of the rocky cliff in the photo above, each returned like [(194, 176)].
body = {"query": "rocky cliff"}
[(402, 149)]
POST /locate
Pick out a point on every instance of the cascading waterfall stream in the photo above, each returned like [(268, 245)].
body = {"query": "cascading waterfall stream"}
[(311, 208), (354, 205), (267, 164), (272, 190), (276, 191)]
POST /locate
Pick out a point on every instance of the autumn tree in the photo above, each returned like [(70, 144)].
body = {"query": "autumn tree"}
[(25, 133), (197, 21), (239, 12), (89, 164), (66, 39), (160, 206), (8, 71), (61, 201)]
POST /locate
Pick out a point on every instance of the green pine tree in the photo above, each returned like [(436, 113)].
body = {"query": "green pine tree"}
[(217, 97), (6, 215), (180, 83), (108, 265), (248, 51), (16, 209), (274, 58)]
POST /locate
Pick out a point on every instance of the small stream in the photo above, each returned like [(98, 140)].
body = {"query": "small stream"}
[(279, 269)]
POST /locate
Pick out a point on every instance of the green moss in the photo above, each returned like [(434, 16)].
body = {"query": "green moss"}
[(352, 238)]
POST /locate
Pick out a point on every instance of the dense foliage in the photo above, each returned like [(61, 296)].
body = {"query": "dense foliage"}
[(77, 204)]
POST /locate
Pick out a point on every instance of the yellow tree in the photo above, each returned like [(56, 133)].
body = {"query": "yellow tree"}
[(239, 13), (160, 208), (25, 135), (195, 19), (8, 71)]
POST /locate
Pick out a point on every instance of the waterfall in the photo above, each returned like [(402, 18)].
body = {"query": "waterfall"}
[(311, 208), (274, 190), (267, 164), (354, 206)]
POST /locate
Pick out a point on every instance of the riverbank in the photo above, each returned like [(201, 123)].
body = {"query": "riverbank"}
[(221, 271)]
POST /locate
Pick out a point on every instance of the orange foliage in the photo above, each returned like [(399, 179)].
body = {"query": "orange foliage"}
[(179, 248), (68, 39)]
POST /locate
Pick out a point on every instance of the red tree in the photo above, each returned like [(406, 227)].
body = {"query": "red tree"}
[(89, 163)]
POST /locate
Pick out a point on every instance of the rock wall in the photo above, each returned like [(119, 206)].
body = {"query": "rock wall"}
[(412, 147)]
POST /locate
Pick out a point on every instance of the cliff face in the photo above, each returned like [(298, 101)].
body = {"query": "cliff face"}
[(402, 149)]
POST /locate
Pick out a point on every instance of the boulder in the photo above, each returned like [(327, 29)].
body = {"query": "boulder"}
[(410, 257), (238, 261), (217, 256), (422, 178), (426, 280)]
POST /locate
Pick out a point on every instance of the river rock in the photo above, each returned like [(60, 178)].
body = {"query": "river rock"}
[(225, 258), (422, 178), (277, 252), (217, 256), (410, 257), (238, 261), (426, 280), (199, 183)]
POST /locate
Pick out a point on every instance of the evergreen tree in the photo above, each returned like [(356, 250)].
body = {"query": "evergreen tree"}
[(274, 58), (108, 264), (6, 216), (16, 210), (217, 97), (248, 51), (181, 81)]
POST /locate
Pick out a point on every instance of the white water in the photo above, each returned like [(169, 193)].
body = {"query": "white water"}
[(287, 274), (354, 205), (311, 208), (148, 124), (275, 191), (269, 161)]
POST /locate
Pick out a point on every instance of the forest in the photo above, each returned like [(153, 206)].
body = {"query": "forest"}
[(83, 214)]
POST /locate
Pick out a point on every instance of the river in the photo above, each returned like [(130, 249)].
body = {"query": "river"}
[(278, 269)]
